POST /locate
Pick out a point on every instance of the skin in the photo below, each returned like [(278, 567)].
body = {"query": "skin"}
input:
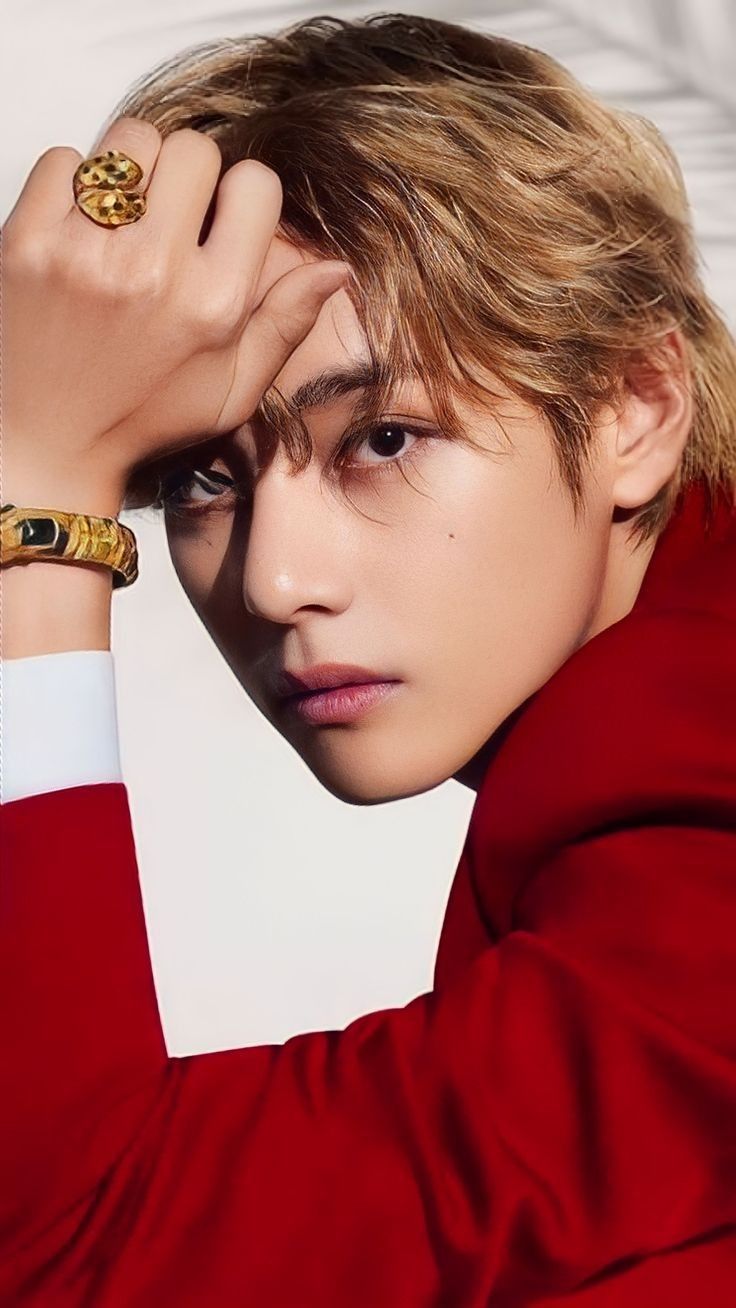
[(461, 572), (467, 577)]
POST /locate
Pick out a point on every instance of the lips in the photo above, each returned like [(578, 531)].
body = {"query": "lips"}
[(325, 676), (340, 705)]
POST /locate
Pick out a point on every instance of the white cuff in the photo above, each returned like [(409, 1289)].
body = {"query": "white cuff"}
[(58, 723)]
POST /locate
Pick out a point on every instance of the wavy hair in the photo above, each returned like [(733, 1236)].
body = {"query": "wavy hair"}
[(498, 217)]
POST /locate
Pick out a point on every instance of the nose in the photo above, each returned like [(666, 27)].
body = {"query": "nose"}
[(297, 552)]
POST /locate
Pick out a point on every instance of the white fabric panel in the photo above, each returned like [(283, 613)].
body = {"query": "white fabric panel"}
[(697, 41), (59, 723), (631, 64)]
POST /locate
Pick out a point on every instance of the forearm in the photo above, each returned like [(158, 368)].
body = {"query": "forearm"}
[(48, 608), (83, 1048)]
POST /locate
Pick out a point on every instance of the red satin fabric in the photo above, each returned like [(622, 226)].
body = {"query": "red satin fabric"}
[(555, 1122)]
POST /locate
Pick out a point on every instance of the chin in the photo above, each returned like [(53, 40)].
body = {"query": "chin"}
[(372, 779)]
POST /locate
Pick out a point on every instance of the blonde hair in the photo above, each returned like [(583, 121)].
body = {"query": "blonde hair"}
[(498, 217)]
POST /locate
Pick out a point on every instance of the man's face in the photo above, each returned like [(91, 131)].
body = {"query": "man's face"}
[(463, 577)]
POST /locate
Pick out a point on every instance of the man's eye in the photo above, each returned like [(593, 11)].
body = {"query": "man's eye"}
[(192, 487), (366, 453), (384, 442), (384, 446)]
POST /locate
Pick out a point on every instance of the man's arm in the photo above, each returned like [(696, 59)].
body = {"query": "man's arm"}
[(53, 607), (566, 1102)]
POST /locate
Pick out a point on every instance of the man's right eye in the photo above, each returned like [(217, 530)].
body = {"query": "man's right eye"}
[(192, 488)]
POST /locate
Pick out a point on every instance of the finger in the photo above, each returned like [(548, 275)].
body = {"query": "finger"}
[(139, 139), (182, 185), (48, 197), (286, 315), (47, 194), (282, 255), (132, 137), (248, 207)]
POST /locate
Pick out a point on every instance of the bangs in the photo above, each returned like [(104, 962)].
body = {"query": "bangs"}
[(505, 228)]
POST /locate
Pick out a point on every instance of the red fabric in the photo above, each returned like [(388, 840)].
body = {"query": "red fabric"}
[(554, 1122)]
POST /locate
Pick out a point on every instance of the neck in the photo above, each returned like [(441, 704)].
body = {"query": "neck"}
[(472, 773), (625, 568)]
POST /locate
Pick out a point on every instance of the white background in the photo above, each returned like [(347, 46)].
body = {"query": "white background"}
[(273, 908)]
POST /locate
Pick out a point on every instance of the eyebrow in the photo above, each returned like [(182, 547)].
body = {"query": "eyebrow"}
[(321, 389)]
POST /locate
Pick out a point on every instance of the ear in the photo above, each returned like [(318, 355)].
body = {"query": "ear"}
[(653, 423)]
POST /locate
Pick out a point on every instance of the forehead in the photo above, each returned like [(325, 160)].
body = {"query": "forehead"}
[(336, 339), (335, 345)]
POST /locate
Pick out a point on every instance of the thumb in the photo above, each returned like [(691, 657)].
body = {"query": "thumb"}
[(282, 320)]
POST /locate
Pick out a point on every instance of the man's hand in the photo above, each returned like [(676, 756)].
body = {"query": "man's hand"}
[(127, 343)]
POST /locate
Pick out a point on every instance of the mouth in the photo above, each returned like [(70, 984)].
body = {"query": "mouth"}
[(333, 692)]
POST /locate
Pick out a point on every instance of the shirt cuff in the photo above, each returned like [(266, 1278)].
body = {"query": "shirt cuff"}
[(59, 723)]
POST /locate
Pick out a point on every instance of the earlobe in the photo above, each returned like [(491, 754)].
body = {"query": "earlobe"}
[(653, 424)]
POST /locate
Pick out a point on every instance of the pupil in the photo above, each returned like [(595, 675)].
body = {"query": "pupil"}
[(395, 442)]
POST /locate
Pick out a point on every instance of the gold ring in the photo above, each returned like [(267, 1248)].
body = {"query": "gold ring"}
[(104, 189)]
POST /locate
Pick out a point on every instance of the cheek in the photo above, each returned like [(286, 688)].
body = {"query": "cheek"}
[(211, 582), (198, 555), (213, 586), (509, 595)]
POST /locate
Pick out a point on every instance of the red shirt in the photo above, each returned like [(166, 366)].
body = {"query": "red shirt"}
[(555, 1121)]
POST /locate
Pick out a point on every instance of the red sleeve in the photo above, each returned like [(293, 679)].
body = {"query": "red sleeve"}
[(566, 1101)]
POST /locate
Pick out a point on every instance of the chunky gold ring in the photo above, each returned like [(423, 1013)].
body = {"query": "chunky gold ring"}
[(104, 189)]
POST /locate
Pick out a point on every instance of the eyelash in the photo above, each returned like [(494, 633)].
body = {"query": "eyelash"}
[(183, 478)]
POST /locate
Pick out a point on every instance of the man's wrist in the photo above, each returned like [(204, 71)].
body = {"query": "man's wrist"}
[(38, 490), (49, 607)]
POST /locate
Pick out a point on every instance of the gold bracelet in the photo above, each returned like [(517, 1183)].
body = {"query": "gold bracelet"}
[(57, 535)]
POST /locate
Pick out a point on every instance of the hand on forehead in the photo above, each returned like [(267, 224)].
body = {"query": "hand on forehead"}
[(281, 257), (336, 337)]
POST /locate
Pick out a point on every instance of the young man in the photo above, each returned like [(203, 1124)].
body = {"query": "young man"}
[(540, 590)]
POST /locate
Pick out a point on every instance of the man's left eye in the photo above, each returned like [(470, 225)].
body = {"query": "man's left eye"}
[(390, 438), (387, 434)]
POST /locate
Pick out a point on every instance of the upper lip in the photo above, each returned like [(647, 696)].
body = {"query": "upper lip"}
[(323, 676)]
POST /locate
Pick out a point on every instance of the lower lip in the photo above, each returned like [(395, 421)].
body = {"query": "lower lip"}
[(343, 704)]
